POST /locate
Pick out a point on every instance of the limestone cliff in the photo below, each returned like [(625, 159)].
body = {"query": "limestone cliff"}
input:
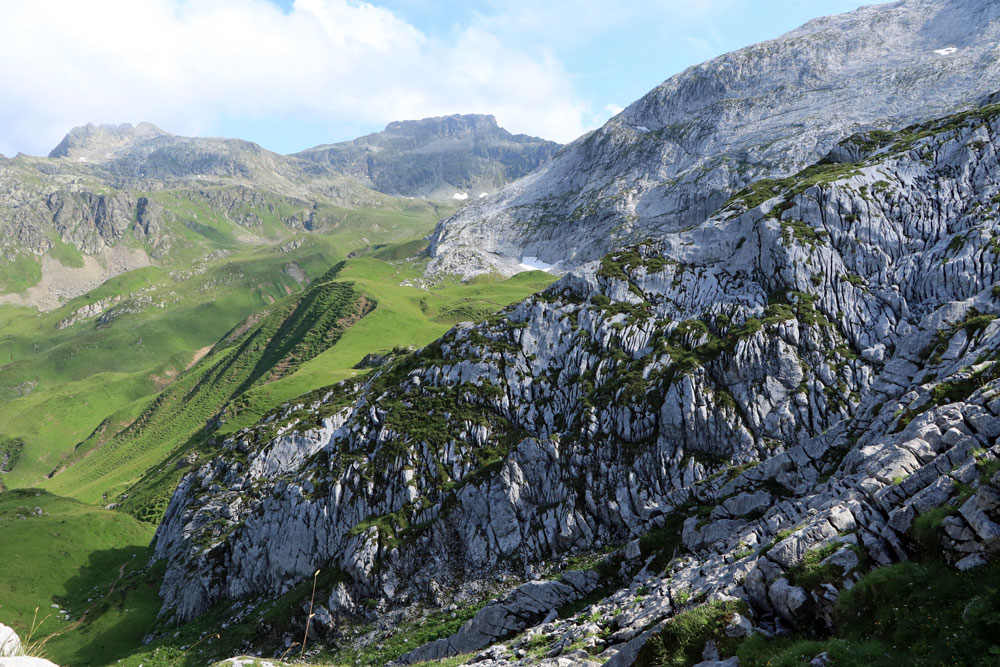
[(807, 371)]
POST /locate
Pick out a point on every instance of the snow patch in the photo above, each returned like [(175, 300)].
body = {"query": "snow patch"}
[(482, 194), (534, 264), (460, 196), (946, 51), (82, 159), (642, 128)]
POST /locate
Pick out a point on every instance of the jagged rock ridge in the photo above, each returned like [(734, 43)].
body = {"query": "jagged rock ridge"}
[(671, 158), (811, 368)]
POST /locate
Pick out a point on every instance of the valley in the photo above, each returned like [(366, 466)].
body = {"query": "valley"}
[(236, 301)]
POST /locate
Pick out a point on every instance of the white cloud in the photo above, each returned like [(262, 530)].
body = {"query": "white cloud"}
[(185, 65), (613, 109)]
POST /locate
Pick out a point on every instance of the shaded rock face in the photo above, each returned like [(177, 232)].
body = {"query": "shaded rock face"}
[(91, 221), (437, 158), (673, 157), (811, 368)]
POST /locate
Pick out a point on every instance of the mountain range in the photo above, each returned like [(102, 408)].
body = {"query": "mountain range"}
[(754, 422), (109, 199)]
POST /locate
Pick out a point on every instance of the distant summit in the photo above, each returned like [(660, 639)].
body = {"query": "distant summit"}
[(455, 157), (103, 141), (446, 157), (455, 125)]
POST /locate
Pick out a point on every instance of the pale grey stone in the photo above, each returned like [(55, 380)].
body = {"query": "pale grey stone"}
[(10, 643)]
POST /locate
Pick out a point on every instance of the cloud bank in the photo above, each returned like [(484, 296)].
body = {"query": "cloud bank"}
[(186, 64)]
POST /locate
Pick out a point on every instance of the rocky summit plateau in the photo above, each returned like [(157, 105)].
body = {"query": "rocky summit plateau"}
[(451, 157), (751, 420)]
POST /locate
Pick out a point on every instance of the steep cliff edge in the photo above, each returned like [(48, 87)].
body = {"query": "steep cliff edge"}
[(671, 158)]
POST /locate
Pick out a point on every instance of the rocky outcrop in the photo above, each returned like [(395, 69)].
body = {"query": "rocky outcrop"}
[(12, 651), (458, 156), (88, 311), (670, 159), (525, 607), (794, 380)]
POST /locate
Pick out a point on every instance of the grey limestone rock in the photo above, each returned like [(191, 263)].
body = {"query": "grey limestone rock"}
[(439, 158), (719, 367), (526, 606), (10, 643), (806, 372), (674, 156)]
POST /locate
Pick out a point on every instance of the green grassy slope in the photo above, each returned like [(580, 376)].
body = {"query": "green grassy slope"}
[(58, 385), (293, 330), (110, 405), (235, 385), (58, 551), (405, 317)]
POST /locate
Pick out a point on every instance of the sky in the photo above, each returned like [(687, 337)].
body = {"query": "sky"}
[(291, 74)]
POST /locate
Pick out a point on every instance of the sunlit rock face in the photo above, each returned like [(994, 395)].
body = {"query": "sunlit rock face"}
[(672, 158), (814, 365)]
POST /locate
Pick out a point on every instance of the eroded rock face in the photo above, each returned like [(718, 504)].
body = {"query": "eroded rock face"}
[(674, 156), (810, 369)]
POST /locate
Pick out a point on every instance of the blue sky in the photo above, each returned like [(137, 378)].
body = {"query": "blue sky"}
[(290, 74)]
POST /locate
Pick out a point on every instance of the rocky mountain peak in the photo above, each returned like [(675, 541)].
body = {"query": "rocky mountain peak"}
[(92, 141), (448, 126), (675, 155), (445, 157)]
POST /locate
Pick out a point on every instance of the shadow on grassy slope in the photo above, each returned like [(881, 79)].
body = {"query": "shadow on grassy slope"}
[(59, 551)]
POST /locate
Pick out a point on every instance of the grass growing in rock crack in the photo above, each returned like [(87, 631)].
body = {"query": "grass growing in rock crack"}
[(912, 613), (919, 612), (683, 637)]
